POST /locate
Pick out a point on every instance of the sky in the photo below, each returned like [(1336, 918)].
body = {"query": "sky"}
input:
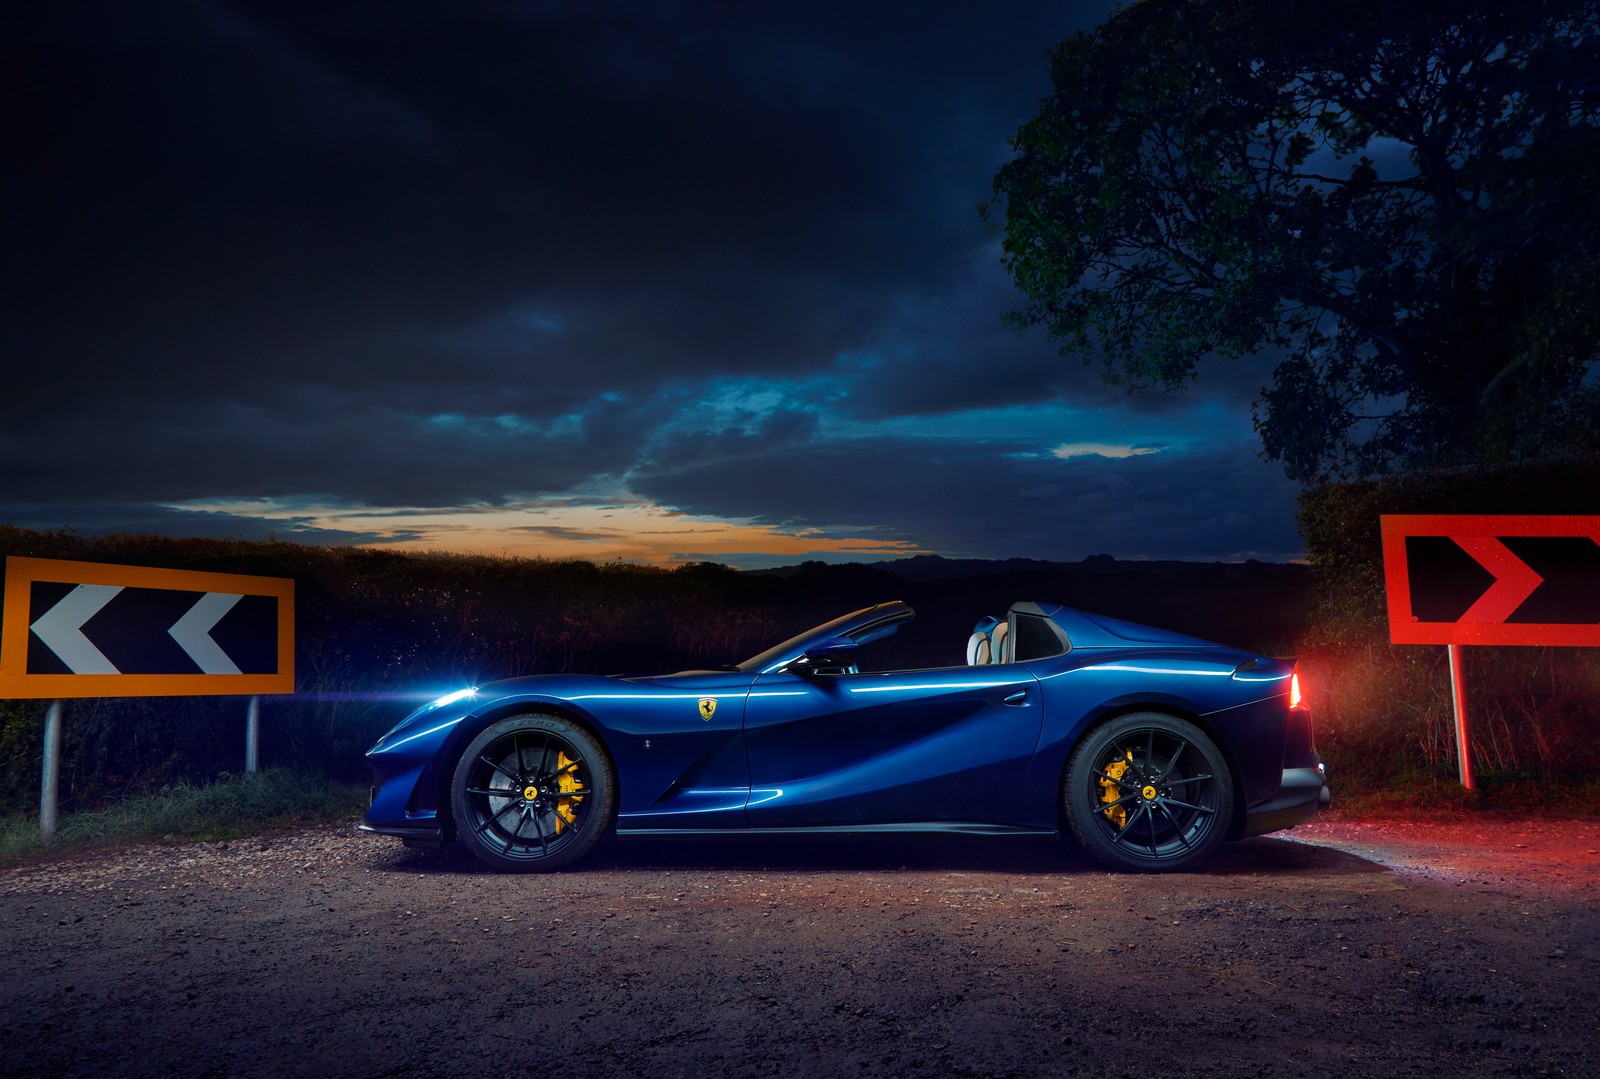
[(648, 281)]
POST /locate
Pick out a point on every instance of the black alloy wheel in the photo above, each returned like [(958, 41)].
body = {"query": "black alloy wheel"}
[(532, 793), (1148, 792)]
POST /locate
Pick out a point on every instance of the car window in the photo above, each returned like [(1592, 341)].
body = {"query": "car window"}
[(1035, 638)]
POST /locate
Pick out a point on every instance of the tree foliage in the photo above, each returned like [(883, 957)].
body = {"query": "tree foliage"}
[(1397, 203)]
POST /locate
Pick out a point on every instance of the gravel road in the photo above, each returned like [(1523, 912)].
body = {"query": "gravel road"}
[(1355, 948)]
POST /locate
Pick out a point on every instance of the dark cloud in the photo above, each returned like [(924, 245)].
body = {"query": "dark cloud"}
[(965, 498), (336, 448), (386, 253), (142, 518)]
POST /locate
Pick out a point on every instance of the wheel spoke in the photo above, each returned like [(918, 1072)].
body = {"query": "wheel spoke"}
[(494, 818), (504, 810), (1147, 792), (532, 793), (514, 839), (568, 811), (522, 818), (1140, 810), (544, 840), (496, 766), (1101, 807), (1177, 829), (1172, 762)]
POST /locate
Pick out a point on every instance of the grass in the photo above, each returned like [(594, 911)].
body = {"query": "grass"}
[(281, 799), (233, 806), (1438, 795)]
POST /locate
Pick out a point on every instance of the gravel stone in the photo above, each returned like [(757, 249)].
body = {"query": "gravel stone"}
[(1345, 948)]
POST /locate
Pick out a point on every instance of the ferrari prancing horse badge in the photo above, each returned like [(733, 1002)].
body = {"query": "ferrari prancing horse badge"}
[(708, 707)]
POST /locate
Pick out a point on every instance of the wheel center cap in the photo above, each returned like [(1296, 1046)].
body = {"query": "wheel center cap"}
[(1149, 793), (531, 793)]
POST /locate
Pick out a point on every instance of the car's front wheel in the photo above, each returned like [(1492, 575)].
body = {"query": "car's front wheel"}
[(532, 792), (1148, 792)]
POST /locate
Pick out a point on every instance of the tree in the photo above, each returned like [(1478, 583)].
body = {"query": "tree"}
[(1396, 202)]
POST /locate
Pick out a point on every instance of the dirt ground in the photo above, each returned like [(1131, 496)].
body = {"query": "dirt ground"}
[(1345, 948)]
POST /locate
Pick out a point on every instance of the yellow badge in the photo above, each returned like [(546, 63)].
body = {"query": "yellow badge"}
[(708, 707)]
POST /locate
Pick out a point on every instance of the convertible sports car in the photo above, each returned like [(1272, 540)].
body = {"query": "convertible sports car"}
[(1150, 747)]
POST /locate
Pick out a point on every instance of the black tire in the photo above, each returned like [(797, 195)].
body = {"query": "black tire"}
[(1148, 793), (533, 793)]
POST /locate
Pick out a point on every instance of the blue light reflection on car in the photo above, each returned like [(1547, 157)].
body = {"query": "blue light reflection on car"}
[(1147, 746)]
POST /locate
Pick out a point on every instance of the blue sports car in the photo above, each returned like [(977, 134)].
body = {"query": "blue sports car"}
[(1149, 747)]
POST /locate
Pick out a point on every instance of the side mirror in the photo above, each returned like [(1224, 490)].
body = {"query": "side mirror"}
[(833, 656)]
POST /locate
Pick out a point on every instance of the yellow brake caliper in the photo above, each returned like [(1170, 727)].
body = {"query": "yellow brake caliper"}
[(571, 792), (1110, 792)]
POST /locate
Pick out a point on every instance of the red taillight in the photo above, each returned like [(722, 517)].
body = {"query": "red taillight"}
[(1294, 690)]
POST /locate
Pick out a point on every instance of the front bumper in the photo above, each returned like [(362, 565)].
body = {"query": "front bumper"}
[(413, 835), (402, 806)]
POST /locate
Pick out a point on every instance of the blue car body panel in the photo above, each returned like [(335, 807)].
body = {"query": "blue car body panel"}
[(775, 744), (943, 745)]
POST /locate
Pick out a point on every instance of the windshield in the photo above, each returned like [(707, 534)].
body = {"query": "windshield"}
[(860, 625)]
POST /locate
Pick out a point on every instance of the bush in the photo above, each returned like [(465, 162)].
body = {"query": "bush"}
[(376, 632), (232, 806), (1384, 711)]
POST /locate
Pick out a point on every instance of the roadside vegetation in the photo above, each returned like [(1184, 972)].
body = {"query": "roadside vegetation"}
[(1436, 793), (1416, 253), (1384, 712), (378, 632), (278, 799)]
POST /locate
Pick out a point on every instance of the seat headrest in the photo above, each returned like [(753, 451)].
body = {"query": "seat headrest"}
[(1000, 643), (980, 646)]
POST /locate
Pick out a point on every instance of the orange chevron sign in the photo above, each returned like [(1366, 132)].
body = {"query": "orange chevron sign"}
[(1515, 580), (83, 629)]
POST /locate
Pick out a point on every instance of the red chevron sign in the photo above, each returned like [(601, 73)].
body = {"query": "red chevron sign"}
[(1515, 580), (83, 629)]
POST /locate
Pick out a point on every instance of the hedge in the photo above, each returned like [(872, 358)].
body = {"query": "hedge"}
[(1385, 709)]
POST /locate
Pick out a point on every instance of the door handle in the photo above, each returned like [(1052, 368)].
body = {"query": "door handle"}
[(1019, 697)]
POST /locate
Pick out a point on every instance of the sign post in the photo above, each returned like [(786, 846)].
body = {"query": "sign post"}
[(51, 767), (252, 733), (84, 629), (1458, 702), (1476, 580)]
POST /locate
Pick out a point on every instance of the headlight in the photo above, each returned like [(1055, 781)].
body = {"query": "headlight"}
[(432, 706), (452, 698)]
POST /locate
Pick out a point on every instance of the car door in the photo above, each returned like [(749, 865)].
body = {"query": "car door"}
[(939, 745)]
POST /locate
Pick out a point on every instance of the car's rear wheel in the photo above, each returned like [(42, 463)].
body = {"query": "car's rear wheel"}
[(1148, 792), (532, 792)]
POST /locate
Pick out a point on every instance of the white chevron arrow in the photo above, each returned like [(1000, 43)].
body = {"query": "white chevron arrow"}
[(61, 628), (193, 633)]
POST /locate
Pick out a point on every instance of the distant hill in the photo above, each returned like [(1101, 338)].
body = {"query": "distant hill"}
[(932, 567), (1264, 606)]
